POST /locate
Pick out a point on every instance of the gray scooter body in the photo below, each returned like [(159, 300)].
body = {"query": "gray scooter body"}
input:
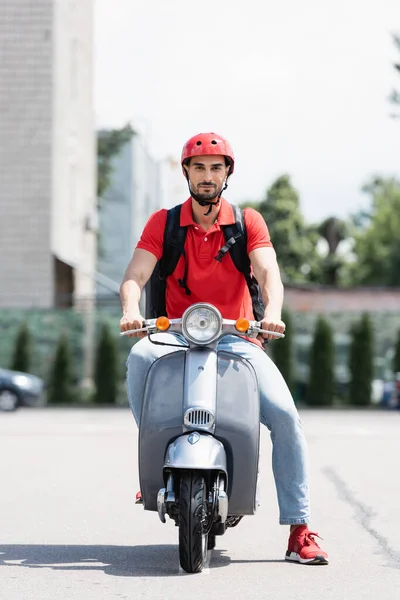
[(218, 393)]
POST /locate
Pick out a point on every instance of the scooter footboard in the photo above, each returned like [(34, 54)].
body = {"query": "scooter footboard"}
[(199, 451)]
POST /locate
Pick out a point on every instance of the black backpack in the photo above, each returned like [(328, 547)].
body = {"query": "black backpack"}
[(174, 242)]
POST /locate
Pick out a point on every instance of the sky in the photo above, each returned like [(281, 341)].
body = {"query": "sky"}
[(297, 87)]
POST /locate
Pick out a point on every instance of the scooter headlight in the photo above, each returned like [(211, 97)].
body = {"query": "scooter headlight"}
[(202, 324)]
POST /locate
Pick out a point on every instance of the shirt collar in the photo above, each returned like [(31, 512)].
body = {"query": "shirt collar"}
[(225, 215)]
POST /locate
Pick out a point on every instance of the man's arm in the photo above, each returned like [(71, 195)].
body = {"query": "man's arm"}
[(136, 276), (267, 273)]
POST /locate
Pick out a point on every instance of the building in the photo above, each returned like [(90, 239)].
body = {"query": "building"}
[(134, 193), (139, 186), (47, 153), (174, 187)]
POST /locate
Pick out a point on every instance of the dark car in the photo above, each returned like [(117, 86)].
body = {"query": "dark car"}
[(20, 389)]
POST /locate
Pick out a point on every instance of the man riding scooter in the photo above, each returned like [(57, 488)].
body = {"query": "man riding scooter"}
[(201, 276)]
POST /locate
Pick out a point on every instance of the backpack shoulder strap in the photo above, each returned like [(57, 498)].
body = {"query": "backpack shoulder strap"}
[(174, 237), (236, 244), (174, 246)]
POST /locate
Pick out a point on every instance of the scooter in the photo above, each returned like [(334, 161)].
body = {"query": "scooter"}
[(199, 431)]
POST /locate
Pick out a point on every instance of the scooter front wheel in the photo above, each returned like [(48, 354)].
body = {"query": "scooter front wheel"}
[(193, 541)]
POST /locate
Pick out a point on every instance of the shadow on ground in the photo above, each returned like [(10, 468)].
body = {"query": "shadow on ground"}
[(118, 561)]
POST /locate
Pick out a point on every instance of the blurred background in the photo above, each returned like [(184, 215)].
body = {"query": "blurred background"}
[(96, 101)]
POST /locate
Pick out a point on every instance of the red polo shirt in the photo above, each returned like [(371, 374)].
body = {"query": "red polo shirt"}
[(218, 283)]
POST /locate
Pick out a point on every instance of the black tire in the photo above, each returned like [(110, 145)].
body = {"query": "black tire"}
[(192, 515)]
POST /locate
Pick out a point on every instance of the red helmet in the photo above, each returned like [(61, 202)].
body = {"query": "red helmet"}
[(206, 144)]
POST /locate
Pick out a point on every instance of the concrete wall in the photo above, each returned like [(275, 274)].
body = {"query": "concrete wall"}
[(74, 143), (327, 300), (47, 148), (26, 100)]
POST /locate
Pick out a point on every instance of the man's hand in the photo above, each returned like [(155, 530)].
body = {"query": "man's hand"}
[(271, 323), (132, 321)]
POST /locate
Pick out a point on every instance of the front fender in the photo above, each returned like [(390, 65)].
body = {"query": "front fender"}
[(196, 451)]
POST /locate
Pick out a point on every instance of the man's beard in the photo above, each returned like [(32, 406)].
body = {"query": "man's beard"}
[(209, 196)]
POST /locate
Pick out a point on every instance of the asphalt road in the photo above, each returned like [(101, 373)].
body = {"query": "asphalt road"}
[(69, 528)]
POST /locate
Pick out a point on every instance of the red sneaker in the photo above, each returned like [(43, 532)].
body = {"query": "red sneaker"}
[(139, 499), (303, 548)]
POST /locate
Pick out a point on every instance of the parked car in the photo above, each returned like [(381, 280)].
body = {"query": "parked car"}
[(20, 389)]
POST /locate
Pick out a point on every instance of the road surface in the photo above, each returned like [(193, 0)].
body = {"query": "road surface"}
[(69, 528)]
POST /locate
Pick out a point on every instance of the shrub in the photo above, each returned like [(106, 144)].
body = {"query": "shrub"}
[(22, 357), (320, 390), (106, 368), (396, 358), (361, 362), (61, 376), (282, 351)]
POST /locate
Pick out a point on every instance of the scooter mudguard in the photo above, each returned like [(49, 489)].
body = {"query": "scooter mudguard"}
[(198, 451)]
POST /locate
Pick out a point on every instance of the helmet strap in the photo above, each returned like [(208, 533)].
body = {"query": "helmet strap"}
[(207, 202)]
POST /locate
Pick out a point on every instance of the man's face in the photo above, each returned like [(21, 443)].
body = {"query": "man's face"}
[(207, 175)]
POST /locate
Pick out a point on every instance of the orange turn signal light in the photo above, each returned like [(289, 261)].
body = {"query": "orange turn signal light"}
[(163, 323), (242, 325)]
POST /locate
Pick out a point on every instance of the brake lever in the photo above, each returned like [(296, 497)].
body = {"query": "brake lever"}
[(130, 331), (256, 329)]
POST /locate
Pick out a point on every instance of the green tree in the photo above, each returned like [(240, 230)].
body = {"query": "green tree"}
[(109, 144), (396, 358), (22, 357), (361, 362), (61, 376), (282, 350), (106, 368), (320, 390), (376, 236), (334, 231), (295, 243)]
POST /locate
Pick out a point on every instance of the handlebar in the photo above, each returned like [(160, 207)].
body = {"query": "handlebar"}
[(228, 326)]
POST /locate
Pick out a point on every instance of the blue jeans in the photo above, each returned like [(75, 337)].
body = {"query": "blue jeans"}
[(277, 412)]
